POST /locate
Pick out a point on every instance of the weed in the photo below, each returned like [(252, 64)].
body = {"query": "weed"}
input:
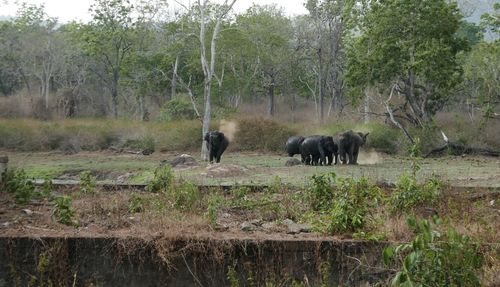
[(136, 204), (47, 187), (184, 195), (435, 259), (215, 200), (63, 211), (353, 201), (320, 193), (18, 183), (162, 179), (87, 183), (409, 193), (232, 276)]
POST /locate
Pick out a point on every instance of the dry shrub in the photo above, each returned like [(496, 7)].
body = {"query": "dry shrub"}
[(261, 134)]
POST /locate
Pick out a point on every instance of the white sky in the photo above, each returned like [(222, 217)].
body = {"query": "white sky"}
[(67, 10)]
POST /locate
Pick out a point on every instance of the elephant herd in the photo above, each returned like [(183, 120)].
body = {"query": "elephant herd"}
[(314, 150), (321, 150)]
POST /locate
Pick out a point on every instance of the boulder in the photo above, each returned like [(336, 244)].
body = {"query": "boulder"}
[(292, 162), (184, 160)]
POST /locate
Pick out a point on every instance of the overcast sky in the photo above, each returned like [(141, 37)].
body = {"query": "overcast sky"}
[(67, 10)]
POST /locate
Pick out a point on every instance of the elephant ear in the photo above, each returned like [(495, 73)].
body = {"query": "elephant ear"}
[(364, 137), (206, 136), (221, 136)]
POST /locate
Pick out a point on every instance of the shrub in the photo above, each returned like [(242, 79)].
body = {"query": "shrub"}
[(136, 204), (383, 138), (261, 134), (177, 109), (62, 210), (87, 183), (184, 195), (409, 194), (435, 259), (352, 203), (162, 179), (18, 183), (319, 192)]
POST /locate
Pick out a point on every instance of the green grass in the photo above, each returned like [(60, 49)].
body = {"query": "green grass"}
[(262, 168)]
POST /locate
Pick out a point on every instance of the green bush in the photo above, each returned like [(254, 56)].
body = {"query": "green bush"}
[(62, 210), (261, 134), (162, 180), (409, 194), (17, 182), (87, 183), (320, 191), (353, 201), (184, 195), (136, 203), (435, 259), (383, 138), (177, 109)]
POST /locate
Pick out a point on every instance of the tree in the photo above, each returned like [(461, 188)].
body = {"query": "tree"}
[(208, 67), (409, 47), (108, 39), (270, 31)]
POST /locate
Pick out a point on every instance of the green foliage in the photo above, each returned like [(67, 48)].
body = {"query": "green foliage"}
[(162, 180), (87, 183), (184, 195), (177, 109), (435, 259), (47, 187), (136, 204), (17, 182), (232, 276), (214, 202), (383, 138), (320, 191), (352, 202), (62, 210), (409, 194), (414, 41)]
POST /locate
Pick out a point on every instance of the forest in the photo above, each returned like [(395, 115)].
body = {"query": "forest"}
[(143, 61)]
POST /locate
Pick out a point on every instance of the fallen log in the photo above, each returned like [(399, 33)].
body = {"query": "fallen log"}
[(460, 149)]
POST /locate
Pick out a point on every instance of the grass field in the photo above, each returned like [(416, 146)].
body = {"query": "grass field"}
[(257, 169)]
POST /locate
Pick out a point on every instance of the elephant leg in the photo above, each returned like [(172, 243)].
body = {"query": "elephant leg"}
[(211, 154), (355, 156), (330, 159), (336, 158), (351, 153)]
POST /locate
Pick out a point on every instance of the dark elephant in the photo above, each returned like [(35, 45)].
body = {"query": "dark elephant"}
[(317, 149), (217, 144), (349, 143), (293, 145)]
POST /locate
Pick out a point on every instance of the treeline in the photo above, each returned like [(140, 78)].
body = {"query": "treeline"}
[(400, 59)]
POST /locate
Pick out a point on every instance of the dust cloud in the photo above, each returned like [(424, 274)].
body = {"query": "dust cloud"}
[(369, 157), (229, 128)]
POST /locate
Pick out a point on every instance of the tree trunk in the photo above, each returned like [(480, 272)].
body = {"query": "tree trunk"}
[(174, 78), (206, 119), (321, 93), (114, 96), (270, 110), (366, 106)]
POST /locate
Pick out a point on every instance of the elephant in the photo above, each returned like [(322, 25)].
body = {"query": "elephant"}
[(349, 143), (217, 144), (317, 149), (293, 145)]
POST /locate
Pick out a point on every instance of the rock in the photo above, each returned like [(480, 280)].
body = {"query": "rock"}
[(148, 151), (224, 170), (294, 228), (184, 160), (6, 224), (28, 212), (222, 227), (292, 162), (247, 226), (269, 226)]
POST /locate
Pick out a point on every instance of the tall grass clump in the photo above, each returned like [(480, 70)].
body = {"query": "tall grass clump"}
[(261, 134)]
